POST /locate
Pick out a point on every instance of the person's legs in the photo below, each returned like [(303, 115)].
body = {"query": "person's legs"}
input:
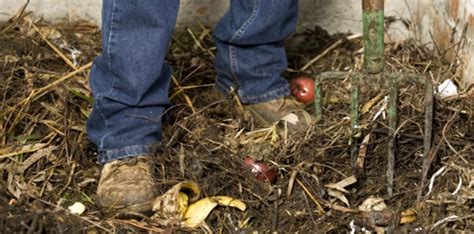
[(251, 56), (130, 83), (130, 80), (251, 59)]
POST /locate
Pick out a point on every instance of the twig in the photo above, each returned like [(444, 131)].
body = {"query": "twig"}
[(338, 207), (186, 97), (411, 136), (17, 16), (320, 208), (233, 94), (204, 108), (35, 94), (433, 177), (458, 187), (53, 47), (310, 212), (195, 137), (329, 49), (368, 105), (71, 174), (197, 86), (446, 139), (275, 211), (445, 220), (46, 181), (332, 168), (199, 44)]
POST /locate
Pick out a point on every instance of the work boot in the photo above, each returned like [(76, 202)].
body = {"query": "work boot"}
[(289, 114), (127, 185)]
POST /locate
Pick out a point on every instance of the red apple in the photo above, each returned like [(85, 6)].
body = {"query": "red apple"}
[(261, 170), (302, 88)]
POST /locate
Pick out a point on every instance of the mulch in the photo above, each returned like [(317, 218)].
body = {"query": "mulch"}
[(47, 162)]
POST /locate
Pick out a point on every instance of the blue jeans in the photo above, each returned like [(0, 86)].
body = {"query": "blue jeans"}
[(130, 80)]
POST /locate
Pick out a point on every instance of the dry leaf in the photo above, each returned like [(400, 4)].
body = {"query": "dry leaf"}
[(35, 158), (363, 151), (15, 150), (367, 106), (339, 195), (342, 184), (373, 203)]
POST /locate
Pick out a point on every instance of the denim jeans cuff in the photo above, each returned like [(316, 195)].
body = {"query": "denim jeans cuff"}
[(125, 152), (253, 99)]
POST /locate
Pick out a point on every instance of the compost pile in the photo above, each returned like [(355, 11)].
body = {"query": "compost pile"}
[(47, 163)]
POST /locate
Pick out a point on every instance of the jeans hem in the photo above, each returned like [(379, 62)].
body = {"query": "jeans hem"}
[(125, 152)]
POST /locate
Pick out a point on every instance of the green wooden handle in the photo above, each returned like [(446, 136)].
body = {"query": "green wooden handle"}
[(373, 35)]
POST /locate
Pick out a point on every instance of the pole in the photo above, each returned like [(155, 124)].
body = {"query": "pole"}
[(373, 34)]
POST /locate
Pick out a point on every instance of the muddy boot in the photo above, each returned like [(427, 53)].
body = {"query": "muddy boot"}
[(289, 114), (126, 185)]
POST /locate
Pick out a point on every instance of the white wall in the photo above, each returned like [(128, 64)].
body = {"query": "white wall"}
[(333, 15), (434, 20)]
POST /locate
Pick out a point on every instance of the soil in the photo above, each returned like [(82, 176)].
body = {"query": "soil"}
[(47, 162)]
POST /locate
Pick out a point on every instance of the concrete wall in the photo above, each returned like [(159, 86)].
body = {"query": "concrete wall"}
[(433, 20), (333, 15)]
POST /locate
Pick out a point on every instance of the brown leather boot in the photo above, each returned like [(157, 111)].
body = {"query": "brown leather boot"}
[(127, 185), (286, 111)]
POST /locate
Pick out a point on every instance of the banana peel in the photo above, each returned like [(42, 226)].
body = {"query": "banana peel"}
[(174, 208), (198, 211), (169, 208)]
